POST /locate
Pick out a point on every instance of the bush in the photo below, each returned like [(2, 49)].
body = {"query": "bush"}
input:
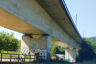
[(37, 56), (57, 60)]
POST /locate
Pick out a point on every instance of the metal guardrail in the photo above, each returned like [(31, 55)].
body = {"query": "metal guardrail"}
[(19, 57), (69, 15)]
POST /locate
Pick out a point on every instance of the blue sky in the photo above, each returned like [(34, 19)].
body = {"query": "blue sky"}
[(86, 17), (16, 34)]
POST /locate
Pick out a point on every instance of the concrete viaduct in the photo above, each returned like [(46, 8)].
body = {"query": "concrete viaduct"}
[(43, 22)]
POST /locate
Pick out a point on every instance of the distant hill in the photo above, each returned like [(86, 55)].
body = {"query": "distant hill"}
[(92, 39)]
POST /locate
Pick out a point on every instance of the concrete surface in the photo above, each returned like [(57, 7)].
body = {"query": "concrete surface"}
[(25, 42), (35, 16), (59, 43), (70, 54), (58, 13), (42, 43)]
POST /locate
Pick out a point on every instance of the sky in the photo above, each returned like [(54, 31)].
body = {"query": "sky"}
[(86, 17), (17, 35)]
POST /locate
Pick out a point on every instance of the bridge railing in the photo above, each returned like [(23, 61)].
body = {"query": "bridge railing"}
[(7, 57), (69, 15)]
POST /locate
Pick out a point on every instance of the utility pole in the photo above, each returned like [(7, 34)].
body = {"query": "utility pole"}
[(76, 21), (83, 33)]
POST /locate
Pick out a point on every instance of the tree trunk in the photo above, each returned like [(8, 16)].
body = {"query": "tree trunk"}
[(7, 51)]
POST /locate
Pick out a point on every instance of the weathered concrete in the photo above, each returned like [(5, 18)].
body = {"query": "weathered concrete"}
[(12, 22), (25, 42), (45, 43), (59, 43), (58, 11), (42, 43), (31, 12), (70, 54)]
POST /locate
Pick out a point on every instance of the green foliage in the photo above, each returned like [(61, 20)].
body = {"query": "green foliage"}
[(57, 49), (94, 47), (92, 39), (86, 52), (8, 42), (60, 50), (93, 43), (53, 50)]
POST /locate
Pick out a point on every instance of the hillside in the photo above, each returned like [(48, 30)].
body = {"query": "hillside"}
[(92, 39)]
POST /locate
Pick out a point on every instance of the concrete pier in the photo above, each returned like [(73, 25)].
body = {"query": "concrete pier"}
[(36, 45), (70, 55)]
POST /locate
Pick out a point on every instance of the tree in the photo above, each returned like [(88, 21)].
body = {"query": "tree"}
[(57, 49), (8, 42), (94, 47), (92, 43), (86, 52), (53, 50), (60, 50)]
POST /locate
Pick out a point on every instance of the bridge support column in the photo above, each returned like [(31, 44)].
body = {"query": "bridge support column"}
[(44, 43), (70, 55), (39, 45), (25, 42)]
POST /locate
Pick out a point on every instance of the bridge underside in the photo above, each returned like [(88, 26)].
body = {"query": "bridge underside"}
[(40, 17), (57, 11), (28, 17), (12, 22)]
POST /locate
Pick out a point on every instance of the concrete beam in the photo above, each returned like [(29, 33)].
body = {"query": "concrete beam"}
[(31, 12), (12, 22), (61, 16), (62, 44)]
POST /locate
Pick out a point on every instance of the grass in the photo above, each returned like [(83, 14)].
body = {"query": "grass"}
[(85, 63), (13, 56), (88, 62), (8, 56)]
